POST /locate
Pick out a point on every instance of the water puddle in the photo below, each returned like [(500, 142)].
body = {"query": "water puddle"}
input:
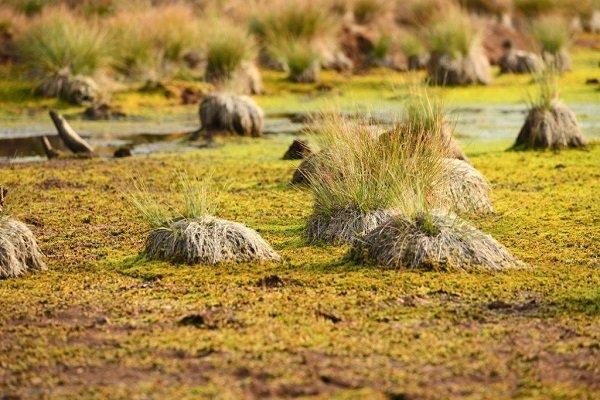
[(20, 140), (20, 137)]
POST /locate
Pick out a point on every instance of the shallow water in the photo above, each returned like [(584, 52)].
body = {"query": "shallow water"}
[(20, 137)]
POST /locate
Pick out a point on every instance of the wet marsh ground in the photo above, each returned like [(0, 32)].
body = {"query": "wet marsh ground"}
[(103, 322)]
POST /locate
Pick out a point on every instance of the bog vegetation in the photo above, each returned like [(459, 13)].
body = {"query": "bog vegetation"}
[(127, 41), (389, 243)]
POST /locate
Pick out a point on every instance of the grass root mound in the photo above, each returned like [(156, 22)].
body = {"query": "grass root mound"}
[(208, 240), (554, 127), (343, 226), (436, 242), (19, 252)]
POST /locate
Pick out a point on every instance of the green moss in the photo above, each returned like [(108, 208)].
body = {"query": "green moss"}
[(103, 322)]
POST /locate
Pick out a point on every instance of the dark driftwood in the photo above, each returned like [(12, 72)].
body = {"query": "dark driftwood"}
[(48, 149), (71, 139)]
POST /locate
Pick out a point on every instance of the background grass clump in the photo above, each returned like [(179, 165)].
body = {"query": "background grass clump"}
[(292, 20), (227, 48), (367, 11), (552, 33), (454, 34), (59, 40), (151, 43)]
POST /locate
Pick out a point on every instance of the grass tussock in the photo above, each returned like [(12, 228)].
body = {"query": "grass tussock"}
[(454, 34), (59, 40), (184, 230), (19, 251), (156, 42), (411, 45), (433, 242), (367, 11), (361, 170), (291, 20), (551, 33), (532, 8), (227, 48), (382, 47), (194, 198), (299, 58), (546, 89)]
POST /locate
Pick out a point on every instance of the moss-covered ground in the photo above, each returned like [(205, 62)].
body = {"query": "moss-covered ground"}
[(104, 323)]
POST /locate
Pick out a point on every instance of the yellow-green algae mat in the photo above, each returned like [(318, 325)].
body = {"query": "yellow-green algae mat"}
[(104, 323)]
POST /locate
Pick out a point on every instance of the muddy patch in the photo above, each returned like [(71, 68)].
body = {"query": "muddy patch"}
[(271, 282), (57, 183), (212, 318)]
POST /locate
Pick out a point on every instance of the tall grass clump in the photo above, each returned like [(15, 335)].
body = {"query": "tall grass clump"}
[(547, 89), (550, 123), (192, 196), (59, 40), (552, 33), (367, 11), (532, 8), (456, 55), (184, 230), (282, 26), (293, 20), (300, 60), (381, 48), (360, 177), (228, 47), (414, 50), (368, 172), (453, 34), (411, 45), (134, 53), (152, 42), (402, 184)]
